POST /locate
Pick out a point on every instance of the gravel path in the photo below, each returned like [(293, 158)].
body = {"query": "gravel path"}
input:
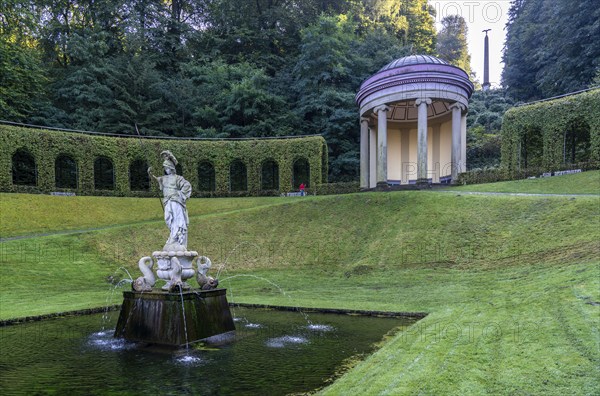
[(457, 192)]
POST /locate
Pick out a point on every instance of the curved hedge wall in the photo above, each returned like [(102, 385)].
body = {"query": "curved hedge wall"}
[(545, 124), (45, 146)]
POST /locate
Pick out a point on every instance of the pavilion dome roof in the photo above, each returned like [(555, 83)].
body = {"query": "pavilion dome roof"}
[(414, 60), (413, 77)]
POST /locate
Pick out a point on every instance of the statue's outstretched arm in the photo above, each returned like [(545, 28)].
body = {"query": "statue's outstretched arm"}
[(157, 178)]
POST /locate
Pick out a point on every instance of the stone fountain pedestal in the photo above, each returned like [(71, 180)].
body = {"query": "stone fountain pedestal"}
[(161, 317)]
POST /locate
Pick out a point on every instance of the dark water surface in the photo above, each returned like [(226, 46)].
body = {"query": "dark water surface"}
[(272, 353)]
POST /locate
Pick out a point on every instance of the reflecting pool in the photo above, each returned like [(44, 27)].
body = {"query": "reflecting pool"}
[(272, 352)]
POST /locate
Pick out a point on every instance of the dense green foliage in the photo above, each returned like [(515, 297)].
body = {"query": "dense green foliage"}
[(484, 122), (510, 284), (553, 133), (83, 150), (551, 47), (207, 68)]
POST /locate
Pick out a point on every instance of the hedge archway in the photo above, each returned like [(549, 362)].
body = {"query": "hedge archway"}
[(139, 180), (531, 147), (238, 176), (24, 171), (65, 172), (577, 144), (301, 173), (206, 177), (104, 174), (269, 179)]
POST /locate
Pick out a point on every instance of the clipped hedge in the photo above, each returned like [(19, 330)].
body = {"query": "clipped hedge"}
[(551, 119), (338, 188), (484, 176), (45, 146)]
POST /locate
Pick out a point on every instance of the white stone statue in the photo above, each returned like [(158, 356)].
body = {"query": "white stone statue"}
[(176, 191), (174, 261)]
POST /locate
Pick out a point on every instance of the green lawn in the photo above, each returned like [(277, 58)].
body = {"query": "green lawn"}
[(579, 183), (508, 281)]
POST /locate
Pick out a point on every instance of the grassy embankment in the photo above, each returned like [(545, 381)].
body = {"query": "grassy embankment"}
[(509, 282), (579, 183), (28, 214)]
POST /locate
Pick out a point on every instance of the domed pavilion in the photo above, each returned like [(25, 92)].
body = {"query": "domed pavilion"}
[(413, 123)]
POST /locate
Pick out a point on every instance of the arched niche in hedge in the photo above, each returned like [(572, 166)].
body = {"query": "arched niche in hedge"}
[(301, 173), (269, 177), (65, 172), (531, 147), (138, 175), (24, 171), (104, 174), (206, 177), (238, 176), (577, 143)]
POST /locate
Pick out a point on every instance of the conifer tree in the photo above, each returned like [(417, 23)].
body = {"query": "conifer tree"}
[(452, 42)]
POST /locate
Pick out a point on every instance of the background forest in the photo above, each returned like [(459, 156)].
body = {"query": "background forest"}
[(241, 68)]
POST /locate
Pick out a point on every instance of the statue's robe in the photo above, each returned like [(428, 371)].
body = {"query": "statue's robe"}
[(176, 191)]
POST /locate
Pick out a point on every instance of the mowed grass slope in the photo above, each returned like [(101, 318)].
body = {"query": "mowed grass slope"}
[(510, 283), (29, 214)]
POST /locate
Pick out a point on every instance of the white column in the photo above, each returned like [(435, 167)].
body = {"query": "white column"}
[(463, 143), (405, 154), (372, 157), (422, 140), (364, 152), (381, 112), (436, 136), (456, 153)]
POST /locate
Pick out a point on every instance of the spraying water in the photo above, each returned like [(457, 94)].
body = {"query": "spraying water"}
[(111, 293), (306, 318), (187, 343), (222, 266)]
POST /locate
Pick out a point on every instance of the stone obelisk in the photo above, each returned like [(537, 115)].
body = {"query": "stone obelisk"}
[(486, 62)]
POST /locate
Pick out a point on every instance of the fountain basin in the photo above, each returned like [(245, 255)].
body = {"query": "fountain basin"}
[(174, 319)]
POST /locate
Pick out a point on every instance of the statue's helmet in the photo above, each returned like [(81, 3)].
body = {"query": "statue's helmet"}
[(169, 159), (168, 164)]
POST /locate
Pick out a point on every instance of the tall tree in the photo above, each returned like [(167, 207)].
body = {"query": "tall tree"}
[(138, 99), (452, 42), (421, 30), (263, 32), (551, 47), (79, 91), (23, 79), (326, 86)]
